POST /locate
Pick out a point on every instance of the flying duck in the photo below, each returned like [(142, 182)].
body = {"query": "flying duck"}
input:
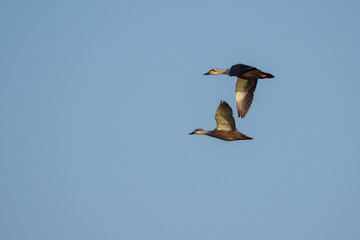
[(245, 86), (225, 129)]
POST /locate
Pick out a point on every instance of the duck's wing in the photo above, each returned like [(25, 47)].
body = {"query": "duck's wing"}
[(224, 117), (244, 95), (239, 69)]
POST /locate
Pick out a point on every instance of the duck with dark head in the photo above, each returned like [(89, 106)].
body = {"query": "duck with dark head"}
[(246, 84)]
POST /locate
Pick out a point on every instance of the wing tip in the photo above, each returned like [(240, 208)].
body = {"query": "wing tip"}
[(224, 103), (241, 112)]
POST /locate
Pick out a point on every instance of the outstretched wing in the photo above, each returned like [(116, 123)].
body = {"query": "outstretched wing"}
[(224, 117), (244, 95), (239, 69)]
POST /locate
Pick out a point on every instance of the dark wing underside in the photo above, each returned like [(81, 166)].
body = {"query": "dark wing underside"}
[(239, 69), (244, 95)]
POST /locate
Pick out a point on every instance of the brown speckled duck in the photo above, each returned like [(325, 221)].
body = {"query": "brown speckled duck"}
[(225, 129), (246, 84)]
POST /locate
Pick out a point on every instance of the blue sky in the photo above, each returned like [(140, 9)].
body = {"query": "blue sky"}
[(97, 98)]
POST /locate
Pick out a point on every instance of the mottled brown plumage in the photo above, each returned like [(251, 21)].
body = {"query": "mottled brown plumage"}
[(228, 135), (225, 129)]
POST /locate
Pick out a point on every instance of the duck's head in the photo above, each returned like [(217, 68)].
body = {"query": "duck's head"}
[(198, 131), (216, 71)]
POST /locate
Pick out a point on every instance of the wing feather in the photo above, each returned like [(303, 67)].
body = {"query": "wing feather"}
[(239, 69), (244, 95), (224, 117)]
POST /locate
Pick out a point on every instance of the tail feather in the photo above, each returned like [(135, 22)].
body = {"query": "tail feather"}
[(266, 75)]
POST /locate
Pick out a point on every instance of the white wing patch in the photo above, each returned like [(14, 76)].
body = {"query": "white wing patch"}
[(240, 97)]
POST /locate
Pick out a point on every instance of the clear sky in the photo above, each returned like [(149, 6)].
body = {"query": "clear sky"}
[(97, 99)]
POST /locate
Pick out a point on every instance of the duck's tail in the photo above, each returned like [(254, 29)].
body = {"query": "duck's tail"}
[(266, 75)]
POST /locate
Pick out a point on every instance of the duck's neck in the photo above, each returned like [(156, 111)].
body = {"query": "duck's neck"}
[(221, 71), (203, 132)]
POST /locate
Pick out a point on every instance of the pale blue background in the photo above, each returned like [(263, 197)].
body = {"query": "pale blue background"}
[(97, 98)]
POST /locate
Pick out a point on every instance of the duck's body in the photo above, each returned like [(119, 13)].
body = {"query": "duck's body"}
[(223, 134), (225, 129), (246, 84)]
